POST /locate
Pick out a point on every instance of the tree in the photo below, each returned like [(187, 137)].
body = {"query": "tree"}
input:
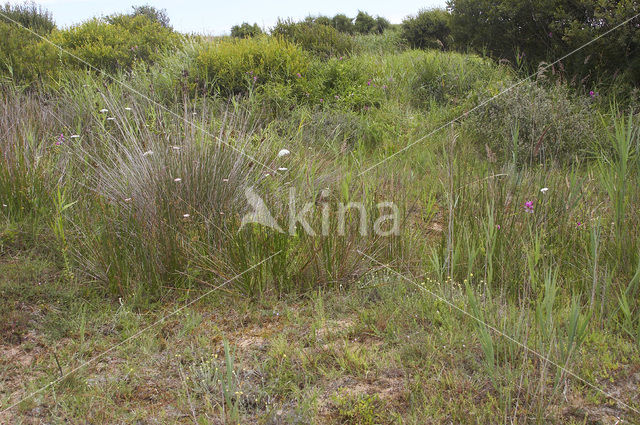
[(381, 25), (429, 29), (544, 30), (364, 23), (342, 23), (245, 30), (154, 14), (30, 16)]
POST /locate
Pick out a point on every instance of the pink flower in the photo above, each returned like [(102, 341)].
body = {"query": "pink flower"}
[(528, 206), (60, 139), (299, 75), (369, 82)]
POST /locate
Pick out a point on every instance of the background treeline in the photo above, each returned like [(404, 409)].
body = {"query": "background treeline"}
[(522, 32)]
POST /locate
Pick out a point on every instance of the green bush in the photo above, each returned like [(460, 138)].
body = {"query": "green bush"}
[(155, 15), (116, 42), (316, 38), (342, 23), (532, 32), (532, 123), (29, 15), (351, 84), (240, 65), (245, 30), (23, 57), (450, 77), (429, 29)]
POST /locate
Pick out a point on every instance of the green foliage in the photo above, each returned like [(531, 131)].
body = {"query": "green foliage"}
[(153, 14), (116, 42), (29, 15), (545, 123), (240, 65), (429, 29), (364, 23), (343, 23), (23, 57), (245, 30), (367, 24), (314, 37), (545, 30)]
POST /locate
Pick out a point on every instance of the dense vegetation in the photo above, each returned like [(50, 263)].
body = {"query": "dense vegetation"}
[(126, 159)]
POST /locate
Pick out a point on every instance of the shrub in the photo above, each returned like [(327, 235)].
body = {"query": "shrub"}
[(154, 14), (351, 84), (238, 65), (531, 123), (245, 30), (23, 57), (546, 30), (343, 23), (116, 42), (429, 29), (364, 23), (450, 77), (317, 38), (29, 15)]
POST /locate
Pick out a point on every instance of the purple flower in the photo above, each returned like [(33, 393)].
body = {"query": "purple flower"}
[(384, 87), (579, 224), (528, 206), (593, 94), (255, 78), (321, 100), (299, 75), (498, 226), (60, 139), (369, 82), (550, 34)]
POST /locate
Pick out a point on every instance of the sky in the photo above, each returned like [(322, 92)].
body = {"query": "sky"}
[(217, 17)]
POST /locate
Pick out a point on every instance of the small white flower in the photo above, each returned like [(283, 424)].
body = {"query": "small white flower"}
[(4, 205), (104, 111), (544, 189), (267, 174), (111, 119), (282, 169), (186, 215), (225, 180), (283, 152), (127, 200), (147, 153), (177, 179), (74, 136), (127, 109), (176, 148)]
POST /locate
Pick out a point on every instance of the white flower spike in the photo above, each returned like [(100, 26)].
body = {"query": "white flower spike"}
[(544, 189), (283, 152), (177, 179), (104, 111)]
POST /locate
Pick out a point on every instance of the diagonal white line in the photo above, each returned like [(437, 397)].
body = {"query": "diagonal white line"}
[(140, 332), (499, 332), (144, 96), (481, 104)]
